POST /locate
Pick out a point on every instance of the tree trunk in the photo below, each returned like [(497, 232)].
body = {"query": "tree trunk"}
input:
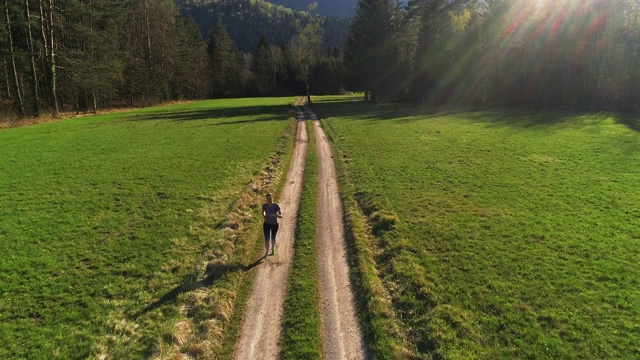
[(18, 100), (148, 26), (45, 44), (7, 78), (34, 74), (94, 95), (52, 56), (46, 30)]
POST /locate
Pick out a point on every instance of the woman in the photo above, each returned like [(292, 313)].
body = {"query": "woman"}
[(270, 213)]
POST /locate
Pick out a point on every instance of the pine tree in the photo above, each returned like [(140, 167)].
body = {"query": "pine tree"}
[(370, 55), (192, 74), (436, 46), (93, 57), (261, 66), (225, 61)]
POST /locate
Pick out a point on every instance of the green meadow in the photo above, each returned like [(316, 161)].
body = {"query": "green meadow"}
[(495, 234), (126, 234)]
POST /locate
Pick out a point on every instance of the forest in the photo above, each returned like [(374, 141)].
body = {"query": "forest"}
[(339, 8), (544, 54), (81, 55)]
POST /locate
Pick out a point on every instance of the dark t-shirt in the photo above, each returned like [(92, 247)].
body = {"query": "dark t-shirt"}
[(272, 213)]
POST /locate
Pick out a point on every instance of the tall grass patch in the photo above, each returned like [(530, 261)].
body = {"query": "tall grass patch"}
[(107, 223), (503, 234)]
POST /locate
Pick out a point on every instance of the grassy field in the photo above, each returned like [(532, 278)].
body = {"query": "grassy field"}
[(114, 228), (487, 234), (496, 234)]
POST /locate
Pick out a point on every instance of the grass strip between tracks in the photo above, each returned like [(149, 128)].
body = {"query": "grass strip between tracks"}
[(301, 324)]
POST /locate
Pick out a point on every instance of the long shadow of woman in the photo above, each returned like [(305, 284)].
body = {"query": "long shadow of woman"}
[(213, 272)]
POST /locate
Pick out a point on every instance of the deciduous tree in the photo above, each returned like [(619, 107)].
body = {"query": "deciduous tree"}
[(305, 49), (19, 102)]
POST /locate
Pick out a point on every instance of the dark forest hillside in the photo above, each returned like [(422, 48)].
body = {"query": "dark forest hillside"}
[(340, 8), (247, 20)]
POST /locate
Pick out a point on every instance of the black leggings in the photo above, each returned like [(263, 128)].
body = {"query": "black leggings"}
[(270, 231)]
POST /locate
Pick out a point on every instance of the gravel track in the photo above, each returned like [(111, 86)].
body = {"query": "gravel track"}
[(261, 326)]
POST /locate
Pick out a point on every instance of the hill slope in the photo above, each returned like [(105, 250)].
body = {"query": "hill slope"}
[(340, 8), (247, 20)]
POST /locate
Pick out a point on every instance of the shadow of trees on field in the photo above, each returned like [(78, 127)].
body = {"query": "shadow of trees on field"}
[(248, 114), (632, 121), (516, 118), (213, 273), (360, 110)]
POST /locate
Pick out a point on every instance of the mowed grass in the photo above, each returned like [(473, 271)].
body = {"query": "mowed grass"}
[(107, 221), (496, 234)]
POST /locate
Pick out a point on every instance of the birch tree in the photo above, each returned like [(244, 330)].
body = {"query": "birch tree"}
[(47, 24), (18, 101), (32, 57)]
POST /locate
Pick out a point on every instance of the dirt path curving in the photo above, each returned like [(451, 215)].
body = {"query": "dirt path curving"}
[(261, 325)]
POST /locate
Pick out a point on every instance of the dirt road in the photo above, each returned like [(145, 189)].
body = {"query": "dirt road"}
[(262, 321), (261, 324), (342, 338)]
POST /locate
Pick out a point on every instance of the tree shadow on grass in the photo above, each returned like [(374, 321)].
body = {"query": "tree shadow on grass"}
[(632, 121), (497, 118), (360, 110), (225, 116), (531, 119), (213, 273)]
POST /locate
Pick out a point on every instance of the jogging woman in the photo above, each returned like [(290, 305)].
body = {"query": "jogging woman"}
[(270, 213)]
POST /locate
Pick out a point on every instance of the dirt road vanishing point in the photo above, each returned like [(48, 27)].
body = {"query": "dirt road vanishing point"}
[(260, 330)]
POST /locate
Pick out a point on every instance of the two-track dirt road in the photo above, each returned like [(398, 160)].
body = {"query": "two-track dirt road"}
[(261, 326)]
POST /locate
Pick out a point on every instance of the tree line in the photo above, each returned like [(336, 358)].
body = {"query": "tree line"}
[(60, 55), (247, 20), (560, 54), (83, 55)]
